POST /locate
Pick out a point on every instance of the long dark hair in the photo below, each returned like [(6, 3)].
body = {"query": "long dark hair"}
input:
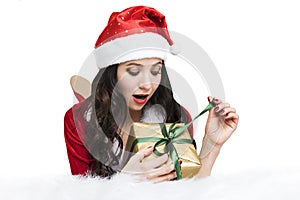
[(106, 109)]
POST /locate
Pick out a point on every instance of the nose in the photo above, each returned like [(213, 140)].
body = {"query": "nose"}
[(145, 82)]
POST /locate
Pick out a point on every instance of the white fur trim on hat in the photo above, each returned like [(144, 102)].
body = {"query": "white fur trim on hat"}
[(132, 47)]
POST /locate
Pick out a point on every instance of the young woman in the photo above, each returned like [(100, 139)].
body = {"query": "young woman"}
[(132, 85)]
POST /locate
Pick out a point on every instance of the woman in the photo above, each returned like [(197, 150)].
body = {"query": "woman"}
[(131, 85)]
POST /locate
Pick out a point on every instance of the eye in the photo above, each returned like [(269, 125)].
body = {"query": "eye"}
[(156, 70), (133, 71)]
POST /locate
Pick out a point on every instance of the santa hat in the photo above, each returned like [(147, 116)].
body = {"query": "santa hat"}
[(134, 33)]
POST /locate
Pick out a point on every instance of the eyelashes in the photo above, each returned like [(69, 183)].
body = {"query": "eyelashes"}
[(135, 72), (156, 72)]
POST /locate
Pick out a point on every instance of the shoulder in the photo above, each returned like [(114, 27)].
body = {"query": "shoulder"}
[(74, 121), (69, 118), (188, 115)]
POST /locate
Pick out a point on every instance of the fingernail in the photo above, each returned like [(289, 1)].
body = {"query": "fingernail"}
[(216, 108)]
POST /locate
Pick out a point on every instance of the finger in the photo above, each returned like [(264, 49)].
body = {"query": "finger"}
[(163, 170), (209, 98), (236, 118), (215, 103), (232, 120), (220, 107), (152, 164), (233, 116), (166, 177), (215, 100), (140, 155), (225, 111)]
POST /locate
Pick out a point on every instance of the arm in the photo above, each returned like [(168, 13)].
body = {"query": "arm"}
[(208, 156), (79, 157), (221, 123)]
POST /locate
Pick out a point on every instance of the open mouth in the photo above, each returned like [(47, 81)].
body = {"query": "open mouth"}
[(140, 98)]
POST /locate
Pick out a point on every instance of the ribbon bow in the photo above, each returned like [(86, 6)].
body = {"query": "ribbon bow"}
[(170, 139)]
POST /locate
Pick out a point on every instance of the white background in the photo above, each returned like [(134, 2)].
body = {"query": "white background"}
[(255, 46)]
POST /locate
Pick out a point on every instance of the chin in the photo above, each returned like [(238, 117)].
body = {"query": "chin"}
[(136, 108)]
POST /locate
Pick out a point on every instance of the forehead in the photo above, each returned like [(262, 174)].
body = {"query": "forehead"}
[(144, 61)]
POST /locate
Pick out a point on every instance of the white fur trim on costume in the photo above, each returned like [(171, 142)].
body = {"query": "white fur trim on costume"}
[(154, 114), (132, 47)]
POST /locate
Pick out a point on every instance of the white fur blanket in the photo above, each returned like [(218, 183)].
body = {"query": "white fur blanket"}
[(260, 184)]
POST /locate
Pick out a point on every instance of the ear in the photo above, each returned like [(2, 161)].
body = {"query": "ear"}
[(81, 87)]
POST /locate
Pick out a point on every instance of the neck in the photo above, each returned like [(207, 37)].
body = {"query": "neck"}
[(135, 115)]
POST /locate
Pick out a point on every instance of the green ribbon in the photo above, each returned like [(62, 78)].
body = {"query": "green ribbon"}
[(170, 139)]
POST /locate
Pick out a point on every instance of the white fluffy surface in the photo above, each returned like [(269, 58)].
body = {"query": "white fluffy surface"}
[(260, 184)]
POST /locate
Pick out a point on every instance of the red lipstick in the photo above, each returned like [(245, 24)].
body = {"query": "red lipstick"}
[(140, 98)]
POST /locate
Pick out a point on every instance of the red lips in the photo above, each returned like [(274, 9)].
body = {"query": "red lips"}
[(140, 98)]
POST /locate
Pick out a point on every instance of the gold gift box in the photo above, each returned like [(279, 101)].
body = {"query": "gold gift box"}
[(187, 153)]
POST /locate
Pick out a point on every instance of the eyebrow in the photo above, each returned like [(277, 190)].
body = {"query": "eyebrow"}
[(140, 65)]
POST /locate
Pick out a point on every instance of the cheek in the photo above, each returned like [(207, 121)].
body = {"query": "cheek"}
[(127, 86), (155, 82), (155, 86)]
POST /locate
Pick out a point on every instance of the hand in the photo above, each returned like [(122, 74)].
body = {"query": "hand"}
[(221, 123), (152, 170)]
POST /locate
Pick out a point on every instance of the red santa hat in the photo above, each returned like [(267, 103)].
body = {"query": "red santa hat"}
[(134, 33)]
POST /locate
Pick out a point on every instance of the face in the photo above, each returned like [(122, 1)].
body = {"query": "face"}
[(138, 80)]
